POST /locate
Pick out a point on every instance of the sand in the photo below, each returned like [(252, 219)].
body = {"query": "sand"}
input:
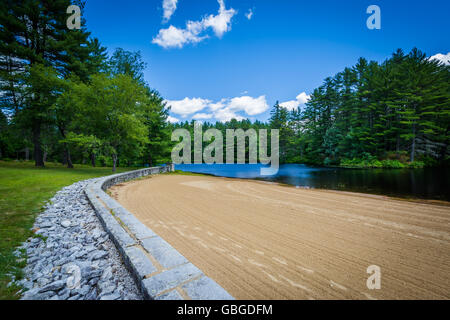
[(261, 240)]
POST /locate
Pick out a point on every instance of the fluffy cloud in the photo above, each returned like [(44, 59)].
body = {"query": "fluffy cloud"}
[(172, 119), (220, 23), (290, 105), (169, 7), (226, 114), (187, 106), (301, 99), (223, 110), (201, 116), (173, 37), (251, 106), (218, 105), (249, 14), (444, 58)]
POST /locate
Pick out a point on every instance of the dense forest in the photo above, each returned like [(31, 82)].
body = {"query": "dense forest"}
[(393, 115), (63, 99), (399, 109)]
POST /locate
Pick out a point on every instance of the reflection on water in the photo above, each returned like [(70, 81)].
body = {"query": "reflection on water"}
[(428, 183)]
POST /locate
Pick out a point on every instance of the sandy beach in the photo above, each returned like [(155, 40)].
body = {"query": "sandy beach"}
[(262, 240)]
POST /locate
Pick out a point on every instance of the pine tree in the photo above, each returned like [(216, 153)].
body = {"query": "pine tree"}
[(34, 32), (279, 120), (158, 147)]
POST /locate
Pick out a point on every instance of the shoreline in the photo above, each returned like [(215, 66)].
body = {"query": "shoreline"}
[(440, 202)]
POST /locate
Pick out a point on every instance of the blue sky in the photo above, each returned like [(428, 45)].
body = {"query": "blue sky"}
[(227, 63)]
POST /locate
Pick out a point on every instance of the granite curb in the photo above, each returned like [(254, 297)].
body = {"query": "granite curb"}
[(160, 271)]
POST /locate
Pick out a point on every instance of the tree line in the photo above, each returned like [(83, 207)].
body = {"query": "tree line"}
[(398, 109), (63, 99)]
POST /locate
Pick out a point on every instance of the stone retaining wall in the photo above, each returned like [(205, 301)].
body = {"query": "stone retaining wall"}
[(159, 270)]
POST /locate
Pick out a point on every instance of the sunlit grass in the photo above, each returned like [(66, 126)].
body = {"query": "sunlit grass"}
[(24, 190)]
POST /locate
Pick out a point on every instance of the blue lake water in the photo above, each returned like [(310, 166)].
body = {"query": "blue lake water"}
[(428, 183)]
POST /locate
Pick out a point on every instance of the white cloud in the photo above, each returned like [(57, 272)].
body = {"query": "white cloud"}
[(227, 109), (220, 23), (200, 116), (169, 7), (251, 106), (249, 14), (301, 99), (173, 37), (444, 58), (226, 114), (218, 105), (222, 110), (187, 106), (290, 105), (172, 119)]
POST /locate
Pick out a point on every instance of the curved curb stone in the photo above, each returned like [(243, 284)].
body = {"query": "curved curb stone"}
[(160, 271)]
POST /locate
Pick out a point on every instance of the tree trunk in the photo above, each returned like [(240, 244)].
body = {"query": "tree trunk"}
[(93, 159), (150, 161), (27, 154), (413, 143), (45, 156), (397, 147), (67, 156), (114, 157), (38, 159), (444, 147)]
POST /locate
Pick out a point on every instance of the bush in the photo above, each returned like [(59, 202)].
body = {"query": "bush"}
[(392, 164), (352, 163), (375, 163), (402, 156), (330, 162), (416, 164), (102, 160), (429, 161)]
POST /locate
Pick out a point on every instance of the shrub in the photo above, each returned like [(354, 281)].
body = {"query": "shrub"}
[(330, 162), (402, 156), (376, 164), (416, 164), (429, 161), (392, 164)]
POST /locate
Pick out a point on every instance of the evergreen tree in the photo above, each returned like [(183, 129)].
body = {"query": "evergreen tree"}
[(35, 33), (373, 110), (279, 120), (158, 146)]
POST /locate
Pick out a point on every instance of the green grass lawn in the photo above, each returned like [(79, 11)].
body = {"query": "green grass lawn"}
[(24, 190)]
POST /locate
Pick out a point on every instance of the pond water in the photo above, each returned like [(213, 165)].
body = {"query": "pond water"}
[(428, 183)]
